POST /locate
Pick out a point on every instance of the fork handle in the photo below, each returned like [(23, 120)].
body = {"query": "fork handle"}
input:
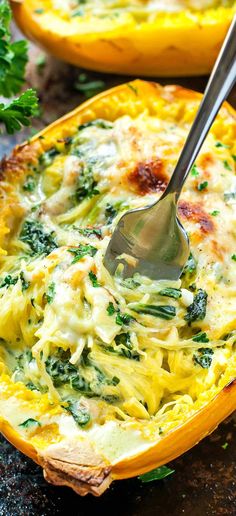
[(219, 85)]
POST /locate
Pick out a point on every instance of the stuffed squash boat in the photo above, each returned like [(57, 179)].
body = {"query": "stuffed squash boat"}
[(148, 37), (104, 378)]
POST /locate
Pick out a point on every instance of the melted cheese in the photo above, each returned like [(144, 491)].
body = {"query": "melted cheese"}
[(73, 344)]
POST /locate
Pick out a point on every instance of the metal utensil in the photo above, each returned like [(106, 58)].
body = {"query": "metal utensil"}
[(153, 240)]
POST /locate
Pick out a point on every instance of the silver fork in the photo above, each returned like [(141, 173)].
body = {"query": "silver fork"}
[(153, 240)]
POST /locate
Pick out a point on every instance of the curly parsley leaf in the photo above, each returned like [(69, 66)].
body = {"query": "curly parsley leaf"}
[(18, 112)]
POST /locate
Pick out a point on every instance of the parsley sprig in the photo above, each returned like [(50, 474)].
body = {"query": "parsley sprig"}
[(13, 59)]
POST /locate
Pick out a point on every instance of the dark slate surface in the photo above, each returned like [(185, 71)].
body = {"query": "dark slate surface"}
[(204, 480)]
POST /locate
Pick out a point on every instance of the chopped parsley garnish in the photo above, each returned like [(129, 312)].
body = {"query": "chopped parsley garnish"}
[(29, 184), (203, 357), (233, 257), (200, 337), (8, 281), (93, 279), (197, 310), (13, 59), (214, 213), (111, 309), (39, 241), (30, 423), (171, 292), (227, 165), (202, 186), (51, 292), (166, 312), (81, 251), (156, 474), (194, 171)]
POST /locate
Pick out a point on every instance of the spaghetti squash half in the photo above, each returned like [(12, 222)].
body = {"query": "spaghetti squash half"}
[(148, 37), (104, 378)]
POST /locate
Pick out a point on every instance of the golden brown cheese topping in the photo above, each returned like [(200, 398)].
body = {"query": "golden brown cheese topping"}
[(92, 349)]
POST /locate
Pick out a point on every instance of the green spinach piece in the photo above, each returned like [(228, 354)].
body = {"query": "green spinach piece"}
[(190, 267), (51, 292), (171, 292), (30, 423), (86, 184), (94, 280), (204, 357), (39, 241), (47, 157), (80, 414), (166, 312), (200, 337), (102, 124), (81, 251), (24, 283), (87, 232), (197, 310)]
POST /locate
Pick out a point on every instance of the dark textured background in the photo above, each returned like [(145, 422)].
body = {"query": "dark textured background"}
[(204, 480)]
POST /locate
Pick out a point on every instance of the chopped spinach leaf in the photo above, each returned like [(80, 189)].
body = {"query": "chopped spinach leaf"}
[(190, 267), (125, 347), (25, 284), (204, 357), (131, 283), (200, 337), (163, 312), (30, 423), (171, 292), (94, 280), (111, 309), (51, 292), (81, 251), (89, 231), (197, 310), (80, 414), (102, 124), (39, 241), (86, 184), (110, 212), (123, 319), (156, 474), (29, 184), (47, 157)]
